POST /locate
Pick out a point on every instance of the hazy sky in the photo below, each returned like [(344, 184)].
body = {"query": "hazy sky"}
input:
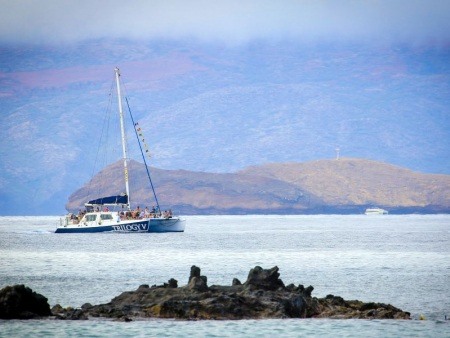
[(232, 21)]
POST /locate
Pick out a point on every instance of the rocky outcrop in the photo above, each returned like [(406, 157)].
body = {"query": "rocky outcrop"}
[(20, 302), (263, 295)]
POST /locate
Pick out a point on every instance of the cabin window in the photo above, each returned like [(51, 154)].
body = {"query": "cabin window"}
[(106, 216), (90, 218)]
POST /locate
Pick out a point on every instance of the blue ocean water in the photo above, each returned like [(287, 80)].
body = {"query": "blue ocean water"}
[(402, 260)]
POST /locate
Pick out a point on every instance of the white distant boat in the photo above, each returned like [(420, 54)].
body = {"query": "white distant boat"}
[(375, 211), (98, 218)]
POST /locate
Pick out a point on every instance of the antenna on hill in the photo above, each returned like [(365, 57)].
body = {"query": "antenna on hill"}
[(337, 153)]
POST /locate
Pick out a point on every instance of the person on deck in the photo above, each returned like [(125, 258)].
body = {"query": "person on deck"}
[(146, 213), (80, 215), (137, 212), (153, 212)]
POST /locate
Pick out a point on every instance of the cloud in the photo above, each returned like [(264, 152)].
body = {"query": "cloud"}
[(234, 21)]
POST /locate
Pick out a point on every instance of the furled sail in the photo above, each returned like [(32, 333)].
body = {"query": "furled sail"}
[(110, 200)]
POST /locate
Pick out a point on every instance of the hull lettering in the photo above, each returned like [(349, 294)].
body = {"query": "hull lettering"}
[(135, 227)]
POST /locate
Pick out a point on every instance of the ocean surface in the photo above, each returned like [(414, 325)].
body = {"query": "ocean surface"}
[(402, 260)]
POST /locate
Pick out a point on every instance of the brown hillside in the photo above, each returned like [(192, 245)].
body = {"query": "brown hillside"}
[(361, 182), (341, 186), (196, 192)]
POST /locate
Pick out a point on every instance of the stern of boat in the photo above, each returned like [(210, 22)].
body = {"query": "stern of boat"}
[(174, 224)]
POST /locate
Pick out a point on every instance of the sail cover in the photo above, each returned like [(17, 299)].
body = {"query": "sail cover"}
[(118, 199)]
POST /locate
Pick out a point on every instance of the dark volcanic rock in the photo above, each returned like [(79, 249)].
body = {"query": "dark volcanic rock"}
[(264, 279), (263, 295), (236, 282), (336, 307), (195, 272), (198, 284), (20, 302), (70, 313)]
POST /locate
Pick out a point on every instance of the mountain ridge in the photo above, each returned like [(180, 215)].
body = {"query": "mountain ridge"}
[(215, 108), (341, 186)]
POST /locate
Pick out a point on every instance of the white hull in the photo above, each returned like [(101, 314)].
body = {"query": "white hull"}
[(110, 221), (376, 211), (152, 225)]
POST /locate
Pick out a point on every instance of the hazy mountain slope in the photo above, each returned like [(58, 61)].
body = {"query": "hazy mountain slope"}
[(338, 186), (195, 192), (292, 122), (215, 108), (361, 182)]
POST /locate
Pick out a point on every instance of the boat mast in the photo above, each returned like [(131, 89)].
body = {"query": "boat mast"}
[(122, 130)]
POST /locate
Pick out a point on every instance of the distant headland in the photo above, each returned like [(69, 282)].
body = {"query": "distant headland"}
[(344, 186)]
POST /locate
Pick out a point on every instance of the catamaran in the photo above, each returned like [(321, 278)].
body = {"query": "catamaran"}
[(98, 217)]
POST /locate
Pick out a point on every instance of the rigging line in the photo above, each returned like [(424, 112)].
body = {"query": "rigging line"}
[(106, 119), (143, 157)]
